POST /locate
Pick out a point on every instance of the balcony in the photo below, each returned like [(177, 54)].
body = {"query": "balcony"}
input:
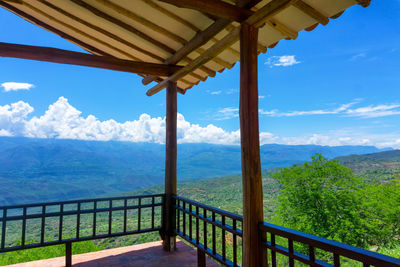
[(214, 235)]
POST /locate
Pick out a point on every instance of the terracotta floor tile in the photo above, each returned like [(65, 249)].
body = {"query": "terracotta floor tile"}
[(148, 254)]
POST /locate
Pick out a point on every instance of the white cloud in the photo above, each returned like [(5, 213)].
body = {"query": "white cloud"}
[(374, 111), (358, 56), (282, 61), (261, 96), (62, 120), (216, 92), (371, 111), (13, 86), (227, 113)]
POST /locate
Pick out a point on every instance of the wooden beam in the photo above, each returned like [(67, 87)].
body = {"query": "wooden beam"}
[(101, 30), (50, 28), (253, 252), (312, 12), (216, 8), (283, 29), (257, 20), (364, 3), (169, 239), (228, 40), (198, 40), (75, 58)]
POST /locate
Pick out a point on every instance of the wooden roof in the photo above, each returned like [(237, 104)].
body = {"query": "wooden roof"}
[(202, 36)]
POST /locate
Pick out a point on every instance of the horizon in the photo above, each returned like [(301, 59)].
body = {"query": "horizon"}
[(338, 69)]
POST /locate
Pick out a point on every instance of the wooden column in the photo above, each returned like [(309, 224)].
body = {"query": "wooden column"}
[(250, 145), (169, 239)]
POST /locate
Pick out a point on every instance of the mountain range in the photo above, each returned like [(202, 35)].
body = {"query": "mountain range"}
[(33, 170)]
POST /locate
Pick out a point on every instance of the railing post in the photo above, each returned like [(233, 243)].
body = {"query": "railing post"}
[(201, 258), (169, 236), (68, 254)]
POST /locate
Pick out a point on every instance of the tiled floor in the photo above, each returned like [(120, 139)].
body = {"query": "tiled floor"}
[(148, 254)]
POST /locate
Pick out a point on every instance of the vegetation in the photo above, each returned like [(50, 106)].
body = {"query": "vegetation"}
[(39, 170), (321, 197)]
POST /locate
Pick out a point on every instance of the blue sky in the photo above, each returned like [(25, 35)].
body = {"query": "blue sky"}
[(336, 85)]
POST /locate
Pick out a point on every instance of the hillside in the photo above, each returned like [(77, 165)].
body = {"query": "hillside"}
[(381, 166), (33, 170)]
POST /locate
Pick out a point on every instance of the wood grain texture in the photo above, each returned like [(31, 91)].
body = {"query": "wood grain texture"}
[(253, 253), (170, 167), (215, 8), (55, 55)]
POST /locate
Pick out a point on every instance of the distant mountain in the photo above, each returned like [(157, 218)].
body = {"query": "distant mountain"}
[(377, 167), (34, 170)]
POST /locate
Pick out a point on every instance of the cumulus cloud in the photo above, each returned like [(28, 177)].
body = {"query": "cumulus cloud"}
[(62, 120), (14, 86), (282, 61)]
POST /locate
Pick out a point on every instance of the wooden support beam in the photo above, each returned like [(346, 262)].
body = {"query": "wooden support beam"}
[(216, 8), (253, 252), (257, 20), (55, 55), (284, 30), (50, 28), (228, 40), (169, 239), (312, 12), (198, 40), (364, 3)]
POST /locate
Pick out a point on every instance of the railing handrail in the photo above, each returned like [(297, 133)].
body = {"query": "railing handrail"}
[(211, 208), (345, 250), (75, 201)]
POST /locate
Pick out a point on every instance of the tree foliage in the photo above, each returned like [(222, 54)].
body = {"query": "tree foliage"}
[(325, 198), (319, 198)]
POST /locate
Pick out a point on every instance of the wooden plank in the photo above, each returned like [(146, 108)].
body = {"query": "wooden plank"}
[(55, 55), (253, 252), (216, 8), (312, 12), (169, 240), (257, 20)]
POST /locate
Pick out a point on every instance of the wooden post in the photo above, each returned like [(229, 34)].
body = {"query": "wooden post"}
[(68, 254), (169, 242), (253, 254)]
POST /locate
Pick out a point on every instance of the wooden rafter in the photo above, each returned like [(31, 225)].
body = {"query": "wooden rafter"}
[(284, 30), (199, 39), (257, 20), (312, 12), (64, 35), (134, 31), (76, 58), (215, 8), (50, 28), (151, 25)]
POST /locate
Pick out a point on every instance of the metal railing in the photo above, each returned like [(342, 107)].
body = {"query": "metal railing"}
[(197, 223), (214, 232), (104, 215), (334, 253)]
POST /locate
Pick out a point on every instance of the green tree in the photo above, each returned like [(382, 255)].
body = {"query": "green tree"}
[(320, 198), (381, 205)]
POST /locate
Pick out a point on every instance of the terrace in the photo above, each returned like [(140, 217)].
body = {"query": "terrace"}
[(177, 44)]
